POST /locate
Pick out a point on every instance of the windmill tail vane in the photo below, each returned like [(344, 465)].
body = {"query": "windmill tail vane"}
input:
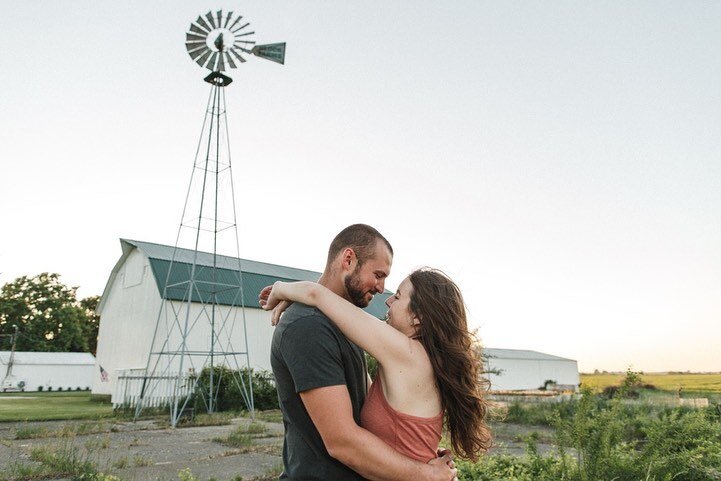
[(219, 41)]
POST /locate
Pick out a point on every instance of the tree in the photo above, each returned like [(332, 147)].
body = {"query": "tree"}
[(89, 304), (48, 315)]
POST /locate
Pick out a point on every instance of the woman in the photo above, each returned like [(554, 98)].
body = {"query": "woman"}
[(428, 367)]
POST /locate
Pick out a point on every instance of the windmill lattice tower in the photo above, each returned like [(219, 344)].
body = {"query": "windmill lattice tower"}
[(200, 340)]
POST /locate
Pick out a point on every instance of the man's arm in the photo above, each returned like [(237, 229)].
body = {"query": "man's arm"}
[(331, 411)]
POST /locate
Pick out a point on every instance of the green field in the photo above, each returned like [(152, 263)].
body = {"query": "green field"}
[(45, 406), (692, 382)]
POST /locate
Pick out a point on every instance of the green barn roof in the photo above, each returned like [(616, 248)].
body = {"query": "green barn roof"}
[(172, 269)]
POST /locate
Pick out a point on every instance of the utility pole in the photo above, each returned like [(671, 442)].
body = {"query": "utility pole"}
[(9, 371)]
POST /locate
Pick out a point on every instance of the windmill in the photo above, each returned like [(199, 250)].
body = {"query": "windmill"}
[(196, 339)]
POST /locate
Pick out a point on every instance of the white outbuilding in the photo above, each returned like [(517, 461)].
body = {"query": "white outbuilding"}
[(140, 283), (46, 371), (521, 370)]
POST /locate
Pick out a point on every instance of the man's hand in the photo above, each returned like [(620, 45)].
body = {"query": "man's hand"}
[(444, 467), (446, 452)]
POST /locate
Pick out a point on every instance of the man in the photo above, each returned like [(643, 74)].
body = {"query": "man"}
[(322, 381)]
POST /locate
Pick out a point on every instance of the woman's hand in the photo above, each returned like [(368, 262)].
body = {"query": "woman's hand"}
[(264, 295), (270, 302)]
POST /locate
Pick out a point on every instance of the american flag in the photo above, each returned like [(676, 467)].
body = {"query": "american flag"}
[(104, 374)]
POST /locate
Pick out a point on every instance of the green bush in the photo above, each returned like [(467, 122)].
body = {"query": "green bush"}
[(229, 383), (539, 414), (513, 468), (685, 444)]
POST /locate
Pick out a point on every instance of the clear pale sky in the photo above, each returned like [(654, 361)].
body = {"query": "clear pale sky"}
[(560, 160)]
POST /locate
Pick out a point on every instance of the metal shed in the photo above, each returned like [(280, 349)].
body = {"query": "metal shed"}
[(47, 371), (523, 370)]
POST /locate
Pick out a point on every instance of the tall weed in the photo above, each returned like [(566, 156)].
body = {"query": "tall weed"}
[(612, 440)]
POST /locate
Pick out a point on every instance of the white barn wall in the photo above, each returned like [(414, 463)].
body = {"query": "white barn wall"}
[(127, 321), (129, 316), (258, 327)]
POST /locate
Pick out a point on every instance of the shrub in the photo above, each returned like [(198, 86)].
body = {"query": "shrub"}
[(686, 443), (539, 414), (513, 468), (229, 386)]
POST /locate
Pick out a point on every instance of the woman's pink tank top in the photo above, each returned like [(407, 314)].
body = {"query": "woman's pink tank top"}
[(412, 436)]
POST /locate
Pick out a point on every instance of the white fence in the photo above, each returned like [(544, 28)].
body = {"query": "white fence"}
[(159, 390)]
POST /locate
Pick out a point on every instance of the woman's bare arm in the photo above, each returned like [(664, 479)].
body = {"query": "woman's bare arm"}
[(376, 337)]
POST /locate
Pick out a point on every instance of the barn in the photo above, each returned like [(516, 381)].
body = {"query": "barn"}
[(46, 371), (133, 297), (522, 370)]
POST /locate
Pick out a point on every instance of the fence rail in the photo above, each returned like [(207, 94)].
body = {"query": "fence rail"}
[(160, 390)]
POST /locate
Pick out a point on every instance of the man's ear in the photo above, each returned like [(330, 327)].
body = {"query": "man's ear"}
[(348, 259)]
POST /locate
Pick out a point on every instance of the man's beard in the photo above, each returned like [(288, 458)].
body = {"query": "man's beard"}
[(353, 287)]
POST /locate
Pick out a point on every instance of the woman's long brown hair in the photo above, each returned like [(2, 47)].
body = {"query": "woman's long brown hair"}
[(437, 301)]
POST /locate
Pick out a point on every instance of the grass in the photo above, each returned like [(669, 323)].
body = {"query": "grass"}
[(67, 405), (690, 384), (270, 474), (244, 437), (19, 471), (47, 406), (202, 419), (139, 460), (67, 431), (96, 444), (271, 416), (65, 461)]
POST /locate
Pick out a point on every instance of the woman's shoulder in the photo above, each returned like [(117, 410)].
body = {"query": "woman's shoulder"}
[(411, 390), (416, 359)]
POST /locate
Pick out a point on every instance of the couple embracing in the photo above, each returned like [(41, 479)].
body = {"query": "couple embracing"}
[(340, 425)]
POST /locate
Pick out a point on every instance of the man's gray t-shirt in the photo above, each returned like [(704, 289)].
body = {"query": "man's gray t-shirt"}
[(308, 352)]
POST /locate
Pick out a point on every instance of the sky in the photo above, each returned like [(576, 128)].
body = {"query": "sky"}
[(561, 161)]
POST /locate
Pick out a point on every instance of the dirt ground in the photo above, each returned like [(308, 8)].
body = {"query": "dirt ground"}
[(143, 451)]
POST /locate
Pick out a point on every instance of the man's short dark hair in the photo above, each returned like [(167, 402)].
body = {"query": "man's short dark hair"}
[(361, 238)]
